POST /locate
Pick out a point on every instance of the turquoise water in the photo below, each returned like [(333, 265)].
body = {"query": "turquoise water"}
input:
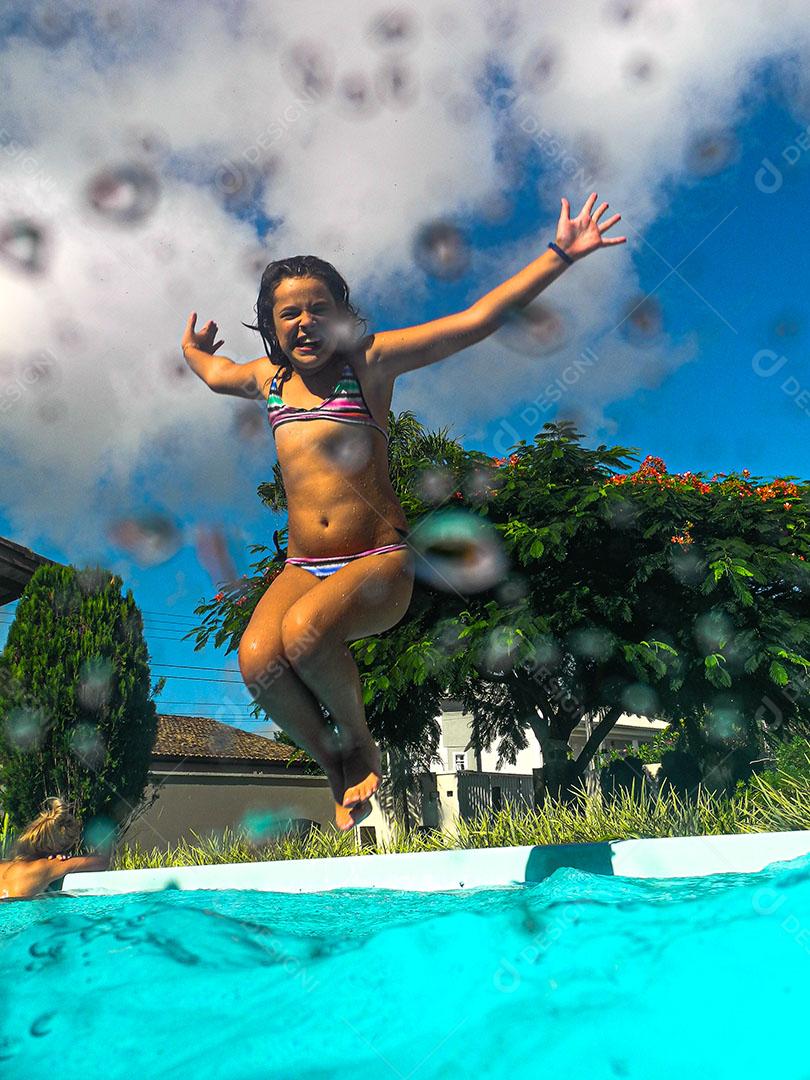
[(597, 976)]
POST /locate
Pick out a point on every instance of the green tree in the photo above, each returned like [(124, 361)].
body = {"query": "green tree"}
[(76, 715), (666, 595)]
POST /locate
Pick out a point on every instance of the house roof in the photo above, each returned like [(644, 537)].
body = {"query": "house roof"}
[(199, 738), (17, 565)]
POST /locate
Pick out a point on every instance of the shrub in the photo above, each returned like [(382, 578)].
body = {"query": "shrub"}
[(76, 716)]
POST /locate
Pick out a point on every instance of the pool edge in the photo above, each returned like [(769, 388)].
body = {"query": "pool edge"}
[(432, 871)]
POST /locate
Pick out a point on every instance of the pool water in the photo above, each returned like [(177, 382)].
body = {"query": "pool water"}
[(580, 974)]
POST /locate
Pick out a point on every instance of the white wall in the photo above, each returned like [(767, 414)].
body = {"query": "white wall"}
[(457, 728)]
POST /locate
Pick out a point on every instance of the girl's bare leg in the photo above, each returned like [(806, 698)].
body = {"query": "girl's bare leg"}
[(273, 682), (365, 597), (294, 708)]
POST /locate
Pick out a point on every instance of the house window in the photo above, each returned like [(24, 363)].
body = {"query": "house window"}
[(460, 762)]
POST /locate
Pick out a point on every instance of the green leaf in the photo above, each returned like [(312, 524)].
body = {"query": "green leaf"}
[(537, 549), (778, 673)]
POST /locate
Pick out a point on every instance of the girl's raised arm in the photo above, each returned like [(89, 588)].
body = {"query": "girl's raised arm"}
[(394, 352)]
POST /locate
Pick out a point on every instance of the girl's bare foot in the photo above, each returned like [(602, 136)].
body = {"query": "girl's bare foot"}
[(362, 769), (347, 817)]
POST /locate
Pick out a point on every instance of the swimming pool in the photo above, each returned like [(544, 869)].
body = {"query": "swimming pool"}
[(580, 972)]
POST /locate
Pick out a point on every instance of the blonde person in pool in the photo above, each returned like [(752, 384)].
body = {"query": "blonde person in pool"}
[(348, 573), (40, 854)]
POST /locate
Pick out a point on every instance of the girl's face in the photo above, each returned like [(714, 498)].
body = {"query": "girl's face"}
[(307, 322)]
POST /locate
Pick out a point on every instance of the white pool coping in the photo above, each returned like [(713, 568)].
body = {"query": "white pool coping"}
[(439, 871)]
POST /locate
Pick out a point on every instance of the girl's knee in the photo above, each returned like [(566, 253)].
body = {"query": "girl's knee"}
[(261, 669), (300, 637)]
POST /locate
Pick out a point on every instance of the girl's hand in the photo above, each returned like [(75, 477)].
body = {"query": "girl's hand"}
[(203, 339), (583, 234)]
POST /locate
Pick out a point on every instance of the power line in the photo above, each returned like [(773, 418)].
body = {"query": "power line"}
[(172, 701), (198, 678)]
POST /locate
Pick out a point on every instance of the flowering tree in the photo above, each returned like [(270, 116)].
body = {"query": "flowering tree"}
[(666, 595), (671, 596)]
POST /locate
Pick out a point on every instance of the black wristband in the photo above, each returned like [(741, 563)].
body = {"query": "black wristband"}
[(561, 253)]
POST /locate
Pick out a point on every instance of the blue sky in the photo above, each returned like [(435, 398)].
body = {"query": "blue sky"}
[(738, 299)]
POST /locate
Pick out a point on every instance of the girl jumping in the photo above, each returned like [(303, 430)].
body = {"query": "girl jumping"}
[(349, 573)]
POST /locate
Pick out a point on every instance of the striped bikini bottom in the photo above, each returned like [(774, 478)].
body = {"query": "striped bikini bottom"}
[(322, 568)]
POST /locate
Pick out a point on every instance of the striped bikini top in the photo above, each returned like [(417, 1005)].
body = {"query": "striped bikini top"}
[(347, 404)]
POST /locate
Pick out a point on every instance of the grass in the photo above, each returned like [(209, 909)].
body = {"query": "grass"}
[(761, 807), (776, 802)]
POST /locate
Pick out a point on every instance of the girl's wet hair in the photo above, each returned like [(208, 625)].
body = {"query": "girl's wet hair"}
[(297, 266), (53, 832)]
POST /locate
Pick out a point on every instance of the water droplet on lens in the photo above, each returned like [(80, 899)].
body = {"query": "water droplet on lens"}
[(25, 727), (91, 580), (641, 69), (786, 325), (722, 723), (395, 84), (458, 552), (125, 194), (709, 152), (350, 456), (501, 650), (496, 207), (222, 741), (639, 699), (250, 424), (395, 27), (211, 545), (259, 826), (94, 687), (642, 320), (238, 185), (622, 11), (536, 329), (591, 643), (447, 638), (87, 746), (481, 482), (434, 485), (52, 26), (713, 630), (152, 141), (440, 249), (544, 652), (150, 538), (539, 69), (99, 833), (512, 590), (308, 70), (22, 246), (355, 95), (41, 371)]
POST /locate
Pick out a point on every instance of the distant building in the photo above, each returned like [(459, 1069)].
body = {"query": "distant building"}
[(464, 782), (207, 776)]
